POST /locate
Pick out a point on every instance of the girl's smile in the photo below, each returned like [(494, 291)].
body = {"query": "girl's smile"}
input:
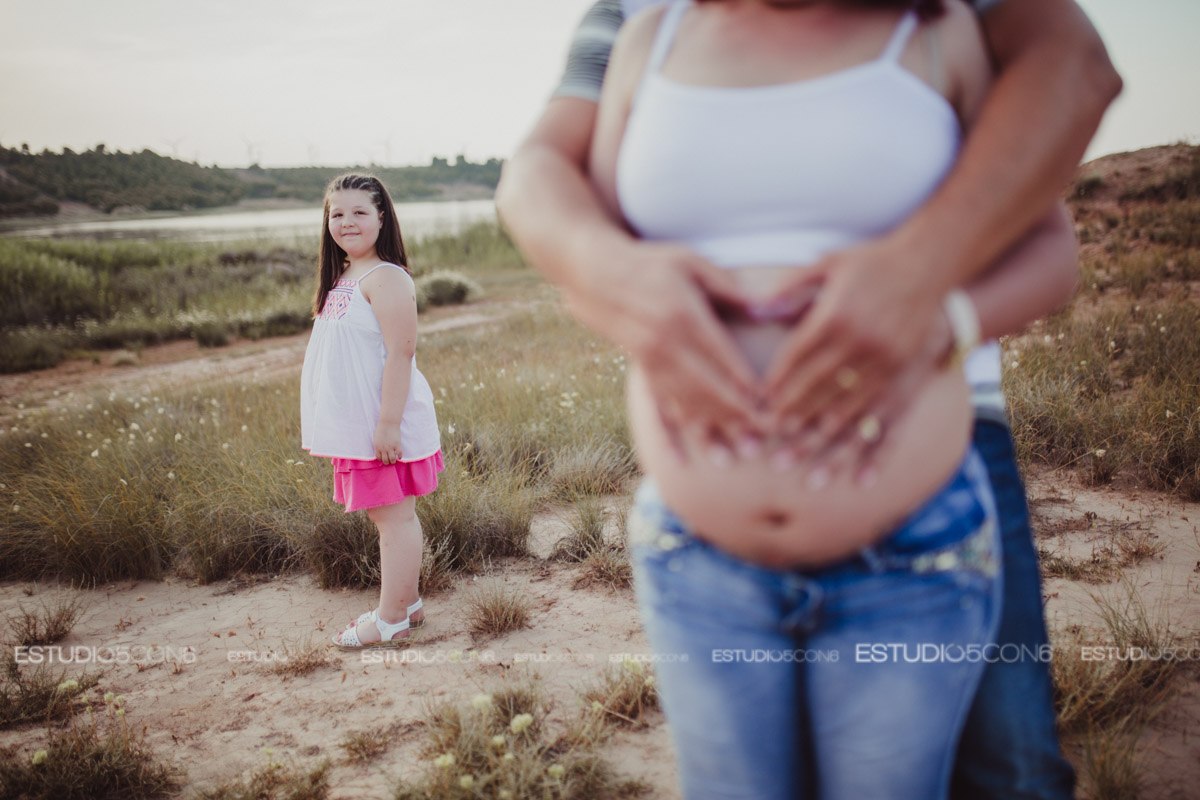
[(354, 222)]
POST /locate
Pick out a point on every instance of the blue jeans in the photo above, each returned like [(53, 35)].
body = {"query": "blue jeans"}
[(1009, 747), (848, 682)]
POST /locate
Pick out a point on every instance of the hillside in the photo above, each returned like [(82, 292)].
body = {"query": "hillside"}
[(35, 184)]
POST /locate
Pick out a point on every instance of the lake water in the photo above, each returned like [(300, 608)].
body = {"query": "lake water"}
[(417, 220)]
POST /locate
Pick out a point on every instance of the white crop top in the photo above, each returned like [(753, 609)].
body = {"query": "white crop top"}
[(786, 173), (341, 384)]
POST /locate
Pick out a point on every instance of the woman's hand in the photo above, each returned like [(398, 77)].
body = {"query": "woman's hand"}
[(387, 442)]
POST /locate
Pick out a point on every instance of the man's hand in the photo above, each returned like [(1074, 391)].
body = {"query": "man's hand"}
[(656, 301), (869, 322), (862, 446)]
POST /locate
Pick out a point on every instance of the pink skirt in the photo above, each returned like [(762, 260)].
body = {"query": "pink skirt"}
[(362, 484)]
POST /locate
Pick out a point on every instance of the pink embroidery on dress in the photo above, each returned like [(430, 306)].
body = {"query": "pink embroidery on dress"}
[(337, 302)]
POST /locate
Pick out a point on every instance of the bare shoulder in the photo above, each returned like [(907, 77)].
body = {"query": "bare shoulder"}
[(632, 46), (389, 281), (968, 63)]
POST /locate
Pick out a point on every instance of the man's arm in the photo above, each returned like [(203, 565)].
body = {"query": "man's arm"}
[(1034, 278), (1053, 83)]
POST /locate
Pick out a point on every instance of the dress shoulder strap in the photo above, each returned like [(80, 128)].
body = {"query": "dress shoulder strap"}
[(377, 266), (904, 30)]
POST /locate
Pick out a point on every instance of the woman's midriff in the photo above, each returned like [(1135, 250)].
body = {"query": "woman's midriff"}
[(755, 511)]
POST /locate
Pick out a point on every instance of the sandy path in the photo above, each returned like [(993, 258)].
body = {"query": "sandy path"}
[(215, 713)]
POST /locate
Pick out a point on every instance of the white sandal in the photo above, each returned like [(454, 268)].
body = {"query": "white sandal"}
[(348, 639), (414, 608)]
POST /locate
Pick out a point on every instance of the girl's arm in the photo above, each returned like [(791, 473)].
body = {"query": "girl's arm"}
[(393, 298)]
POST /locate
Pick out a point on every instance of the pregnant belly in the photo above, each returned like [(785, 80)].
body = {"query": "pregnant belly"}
[(751, 509)]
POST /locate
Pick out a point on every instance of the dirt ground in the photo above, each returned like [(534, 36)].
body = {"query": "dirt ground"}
[(215, 709)]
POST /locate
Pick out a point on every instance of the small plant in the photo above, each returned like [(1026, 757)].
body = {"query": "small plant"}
[(302, 658), (587, 531), (1097, 685), (362, 746), (624, 694), (501, 745), (608, 565), (97, 758), (38, 695), (444, 288), (211, 334), (46, 626), (494, 608), (275, 782), (124, 358)]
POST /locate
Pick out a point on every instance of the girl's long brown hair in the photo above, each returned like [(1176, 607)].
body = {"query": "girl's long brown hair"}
[(389, 246)]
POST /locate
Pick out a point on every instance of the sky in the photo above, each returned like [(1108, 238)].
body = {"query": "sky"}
[(394, 82)]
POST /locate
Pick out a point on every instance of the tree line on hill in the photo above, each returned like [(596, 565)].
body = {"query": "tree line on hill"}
[(34, 184)]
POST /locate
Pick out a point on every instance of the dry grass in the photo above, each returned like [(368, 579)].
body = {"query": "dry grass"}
[(275, 781), (624, 694), (1111, 386), (362, 746), (501, 745), (494, 608), (212, 483), (93, 757), (608, 565), (1109, 764), (302, 658), (37, 694), (1125, 545), (1105, 677), (47, 625)]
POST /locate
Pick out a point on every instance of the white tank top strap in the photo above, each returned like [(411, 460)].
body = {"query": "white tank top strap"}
[(377, 266), (904, 30), (668, 24), (666, 34)]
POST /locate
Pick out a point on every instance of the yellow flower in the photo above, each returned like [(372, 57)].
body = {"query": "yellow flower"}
[(556, 771), (39, 756), (482, 701), (68, 685), (466, 781), (108, 697), (596, 706), (445, 761), (505, 794), (520, 722), (508, 757), (498, 741)]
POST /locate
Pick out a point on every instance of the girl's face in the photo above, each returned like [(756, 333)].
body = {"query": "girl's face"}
[(354, 222)]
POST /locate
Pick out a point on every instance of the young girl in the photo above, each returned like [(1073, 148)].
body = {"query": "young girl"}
[(363, 403)]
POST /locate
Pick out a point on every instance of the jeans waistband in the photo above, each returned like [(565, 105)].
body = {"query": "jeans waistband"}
[(954, 527)]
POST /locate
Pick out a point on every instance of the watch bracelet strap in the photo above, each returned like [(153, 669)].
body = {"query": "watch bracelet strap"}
[(964, 325)]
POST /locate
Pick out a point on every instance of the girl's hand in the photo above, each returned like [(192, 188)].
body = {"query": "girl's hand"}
[(387, 442)]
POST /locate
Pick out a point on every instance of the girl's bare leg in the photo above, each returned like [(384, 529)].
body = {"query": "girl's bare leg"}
[(400, 547)]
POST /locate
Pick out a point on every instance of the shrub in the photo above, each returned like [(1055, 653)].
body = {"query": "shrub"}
[(211, 334), (444, 288)]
